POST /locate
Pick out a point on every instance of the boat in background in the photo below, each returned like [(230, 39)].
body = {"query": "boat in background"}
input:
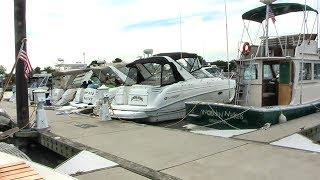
[(42, 80), (67, 83), (157, 88), (278, 79)]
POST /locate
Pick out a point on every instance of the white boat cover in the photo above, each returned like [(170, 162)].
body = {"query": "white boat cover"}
[(79, 96), (66, 97), (56, 95)]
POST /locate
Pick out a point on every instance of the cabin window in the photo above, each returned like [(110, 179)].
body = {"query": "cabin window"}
[(151, 73), (316, 71), (132, 77), (250, 71), (267, 72), (167, 75), (270, 71), (306, 71)]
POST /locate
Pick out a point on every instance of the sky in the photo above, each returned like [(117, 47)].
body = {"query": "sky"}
[(86, 30)]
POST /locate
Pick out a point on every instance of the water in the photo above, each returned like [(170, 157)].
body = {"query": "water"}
[(42, 155)]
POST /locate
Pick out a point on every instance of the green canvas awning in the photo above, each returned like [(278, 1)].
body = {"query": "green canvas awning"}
[(259, 14)]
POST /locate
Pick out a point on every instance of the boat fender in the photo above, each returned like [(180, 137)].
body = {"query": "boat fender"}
[(246, 49), (282, 118)]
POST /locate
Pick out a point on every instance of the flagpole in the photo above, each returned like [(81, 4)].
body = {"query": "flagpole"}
[(14, 66)]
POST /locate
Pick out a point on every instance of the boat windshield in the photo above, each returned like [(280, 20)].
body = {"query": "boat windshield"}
[(190, 64), (214, 70), (110, 75), (201, 73)]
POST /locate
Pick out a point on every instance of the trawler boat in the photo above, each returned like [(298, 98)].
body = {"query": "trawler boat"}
[(157, 88), (278, 79)]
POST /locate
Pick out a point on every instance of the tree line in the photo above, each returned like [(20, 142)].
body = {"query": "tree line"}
[(37, 70)]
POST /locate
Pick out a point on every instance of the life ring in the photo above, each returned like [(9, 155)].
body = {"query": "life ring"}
[(246, 49)]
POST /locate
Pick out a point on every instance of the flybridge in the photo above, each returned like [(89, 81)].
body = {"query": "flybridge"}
[(290, 40), (259, 14)]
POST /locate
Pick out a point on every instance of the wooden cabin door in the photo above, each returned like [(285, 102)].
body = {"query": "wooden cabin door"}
[(285, 83)]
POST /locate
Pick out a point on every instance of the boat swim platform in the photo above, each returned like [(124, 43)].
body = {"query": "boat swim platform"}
[(148, 152)]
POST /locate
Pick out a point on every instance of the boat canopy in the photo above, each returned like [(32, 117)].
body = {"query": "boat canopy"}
[(154, 70), (152, 59), (178, 55), (259, 14), (159, 59)]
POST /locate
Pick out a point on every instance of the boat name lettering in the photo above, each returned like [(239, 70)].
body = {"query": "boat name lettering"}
[(222, 114), (136, 98), (88, 98), (89, 93)]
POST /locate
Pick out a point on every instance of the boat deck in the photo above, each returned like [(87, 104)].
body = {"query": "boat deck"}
[(148, 152)]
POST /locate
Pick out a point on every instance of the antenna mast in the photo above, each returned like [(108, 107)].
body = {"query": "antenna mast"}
[(267, 2)]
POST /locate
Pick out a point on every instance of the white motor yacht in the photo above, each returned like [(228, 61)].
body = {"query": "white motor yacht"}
[(157, 88)]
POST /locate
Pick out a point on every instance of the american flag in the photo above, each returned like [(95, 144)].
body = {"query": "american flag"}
[(27, 66), (272, 16)]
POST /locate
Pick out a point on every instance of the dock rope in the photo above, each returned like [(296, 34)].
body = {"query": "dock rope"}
[(225, 120), (316, 107), (110, 107), (31, 124), (183, 117)]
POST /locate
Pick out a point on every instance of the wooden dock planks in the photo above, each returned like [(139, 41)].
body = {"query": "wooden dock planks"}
[(18, 170)]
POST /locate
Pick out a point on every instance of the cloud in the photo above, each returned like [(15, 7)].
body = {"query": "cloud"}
[(106, 29), (205, 16), (152, 24)]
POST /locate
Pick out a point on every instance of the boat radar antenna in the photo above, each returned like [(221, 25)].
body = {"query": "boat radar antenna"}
[(267, 3), (148, 52), (61, 60)]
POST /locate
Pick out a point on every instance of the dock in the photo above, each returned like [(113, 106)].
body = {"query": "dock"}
[(149, 152)]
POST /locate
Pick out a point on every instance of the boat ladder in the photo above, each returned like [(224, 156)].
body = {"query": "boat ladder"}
[(239, 85), (242, 94)]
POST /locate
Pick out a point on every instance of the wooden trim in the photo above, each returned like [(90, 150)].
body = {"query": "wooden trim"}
[(285, 92), (18, 170)]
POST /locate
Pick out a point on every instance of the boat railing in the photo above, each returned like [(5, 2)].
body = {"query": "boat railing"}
[(289, 41), (279, 46), (228, 75)]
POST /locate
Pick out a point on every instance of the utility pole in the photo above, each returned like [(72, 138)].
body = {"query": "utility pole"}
[(21, 82)]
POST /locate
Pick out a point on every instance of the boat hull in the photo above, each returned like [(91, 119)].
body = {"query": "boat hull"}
[(226, 116), (170, 111)]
